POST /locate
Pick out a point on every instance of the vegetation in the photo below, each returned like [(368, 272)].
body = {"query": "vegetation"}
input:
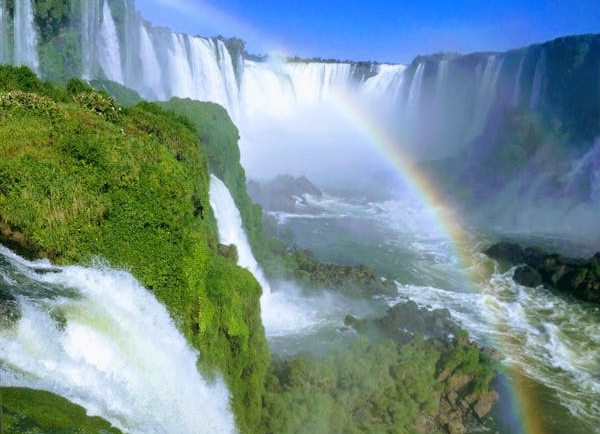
[(219, 136), (35, 412), (376, 387), (83, 178)]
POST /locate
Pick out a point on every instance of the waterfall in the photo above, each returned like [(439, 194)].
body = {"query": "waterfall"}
[(536, 87), (101, 340), (150, 68), (517, 87), (440, 82), (109, 49), (5, 56), (486, 94), (231, 230), (90, 11), (387, 83), (25, 38), (414, 97), (282, 312)]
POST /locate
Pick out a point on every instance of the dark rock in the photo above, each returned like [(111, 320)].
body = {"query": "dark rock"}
[(526, 275), (409, 317), (506, 253), (576, 276), (284, 193), (10, 311)]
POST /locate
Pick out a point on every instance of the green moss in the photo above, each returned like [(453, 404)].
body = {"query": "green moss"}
[(36, 411), (83, 178)]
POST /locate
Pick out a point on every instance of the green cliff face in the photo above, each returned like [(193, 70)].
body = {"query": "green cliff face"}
[(83, 179)]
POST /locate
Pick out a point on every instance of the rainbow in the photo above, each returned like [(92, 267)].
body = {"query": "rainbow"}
[(524, 406)]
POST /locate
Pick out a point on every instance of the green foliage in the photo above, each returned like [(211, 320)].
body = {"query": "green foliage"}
[(219, 137), (51, 16), (82, 178), (35, 411), (463, 359), (60, 57), (365, 388), (123, 95)]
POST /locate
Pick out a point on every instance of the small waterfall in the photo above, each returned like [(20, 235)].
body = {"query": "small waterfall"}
[(150, 67), (231, 230), (536, 87), (90, 13), (109, 48), (486, 94), (283, 312), (413, 102), (517, 88), (101, 340), (5, 56), (441, 82), (25, 37)]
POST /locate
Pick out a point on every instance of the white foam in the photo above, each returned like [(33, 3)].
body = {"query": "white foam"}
[(110, 347)]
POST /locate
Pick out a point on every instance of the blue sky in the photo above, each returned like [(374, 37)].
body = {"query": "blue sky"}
[(385, 31)]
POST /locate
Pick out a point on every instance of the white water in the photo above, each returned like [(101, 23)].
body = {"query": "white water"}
[(486, 94), (286, 312), (536, 87), (109, 49), (552, 340), (4, 35), (517, 86), (25, 37), (101, 340)]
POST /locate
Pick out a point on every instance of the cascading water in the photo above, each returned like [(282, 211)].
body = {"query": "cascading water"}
[(387, 83), (231, 231), (101, 340), (285, 312), (517, 86), (109, 49), (25, 38), (536, 87), (4, 35), (486, 94)]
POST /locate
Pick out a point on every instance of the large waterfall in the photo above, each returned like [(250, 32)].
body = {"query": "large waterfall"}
[(101, 340), (118, 44)]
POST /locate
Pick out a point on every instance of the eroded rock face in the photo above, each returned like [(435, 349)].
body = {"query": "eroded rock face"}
[(576, 276)]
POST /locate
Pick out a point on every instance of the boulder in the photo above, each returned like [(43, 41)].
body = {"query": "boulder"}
[(526, 275), (506, 253)]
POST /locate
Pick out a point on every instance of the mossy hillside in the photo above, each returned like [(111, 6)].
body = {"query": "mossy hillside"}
[(82, 178), (220, 138), (36, 412)]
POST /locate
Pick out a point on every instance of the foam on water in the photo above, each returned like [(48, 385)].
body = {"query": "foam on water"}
[(101, 340)]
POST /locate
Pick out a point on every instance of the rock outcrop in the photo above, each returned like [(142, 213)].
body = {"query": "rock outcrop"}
[(464, 370), (576, 276)]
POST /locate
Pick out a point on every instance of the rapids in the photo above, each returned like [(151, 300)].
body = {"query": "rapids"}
[(548, 342), (98, 338)]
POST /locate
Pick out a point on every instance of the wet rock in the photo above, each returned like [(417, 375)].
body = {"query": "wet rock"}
[(506, 253), (526, 275), (10, 311), (576, 276)]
